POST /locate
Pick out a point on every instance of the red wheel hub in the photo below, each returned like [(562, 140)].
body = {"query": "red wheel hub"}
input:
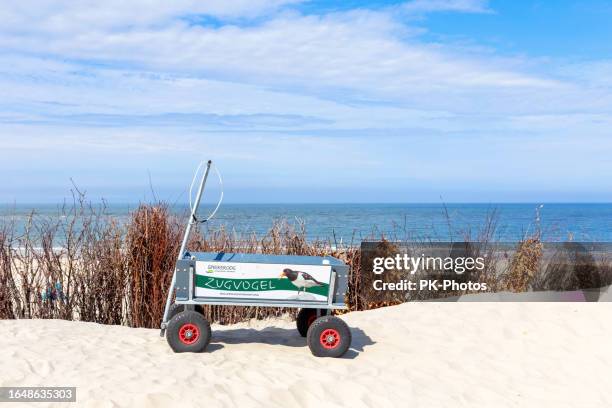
[(330, 338), (189, 333)]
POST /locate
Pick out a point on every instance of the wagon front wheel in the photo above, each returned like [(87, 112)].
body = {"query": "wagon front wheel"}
[(329, 336), (188, 332)]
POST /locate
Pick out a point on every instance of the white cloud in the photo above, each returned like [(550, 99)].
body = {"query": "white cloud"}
[(355, 53), (334, 67), (465, 6), (66, 16), (590, 73), (267, 86)]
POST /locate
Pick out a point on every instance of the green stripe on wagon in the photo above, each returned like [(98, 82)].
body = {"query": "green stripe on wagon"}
[(254, 285)]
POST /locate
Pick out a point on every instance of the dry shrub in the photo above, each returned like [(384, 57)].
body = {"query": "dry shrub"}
[(101, 283), (152, 243), (26, 273), (524, 265), (364, 295), (82, 264), (8, 290)]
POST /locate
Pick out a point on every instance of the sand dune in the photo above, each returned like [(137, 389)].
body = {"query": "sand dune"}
[(413, 355)]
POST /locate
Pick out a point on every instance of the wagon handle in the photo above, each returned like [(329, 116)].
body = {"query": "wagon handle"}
[(190, 223), (194, 210)]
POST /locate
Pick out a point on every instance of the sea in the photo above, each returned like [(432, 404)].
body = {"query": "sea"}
[(353, 223)]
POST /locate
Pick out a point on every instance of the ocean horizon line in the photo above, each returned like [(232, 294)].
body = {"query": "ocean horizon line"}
[(441, 203)]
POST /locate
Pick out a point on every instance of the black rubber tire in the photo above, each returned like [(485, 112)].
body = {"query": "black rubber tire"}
[(304, 319), (194, 319), (176, 308), (335, 325)]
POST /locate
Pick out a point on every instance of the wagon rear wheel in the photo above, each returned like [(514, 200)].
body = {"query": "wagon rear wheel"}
[(304, 319), (188, 332), (329, 336)]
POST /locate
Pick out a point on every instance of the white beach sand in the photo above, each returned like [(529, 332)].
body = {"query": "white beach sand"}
[(413, 355)]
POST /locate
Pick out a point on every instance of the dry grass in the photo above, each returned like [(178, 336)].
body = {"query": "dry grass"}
[(84, 265), (524, 266), (152, 244)]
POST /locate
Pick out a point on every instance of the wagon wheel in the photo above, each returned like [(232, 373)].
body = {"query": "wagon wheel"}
[(188, 331), (329, 336)]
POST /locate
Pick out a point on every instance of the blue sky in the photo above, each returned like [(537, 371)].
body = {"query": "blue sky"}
[(308, 101)]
